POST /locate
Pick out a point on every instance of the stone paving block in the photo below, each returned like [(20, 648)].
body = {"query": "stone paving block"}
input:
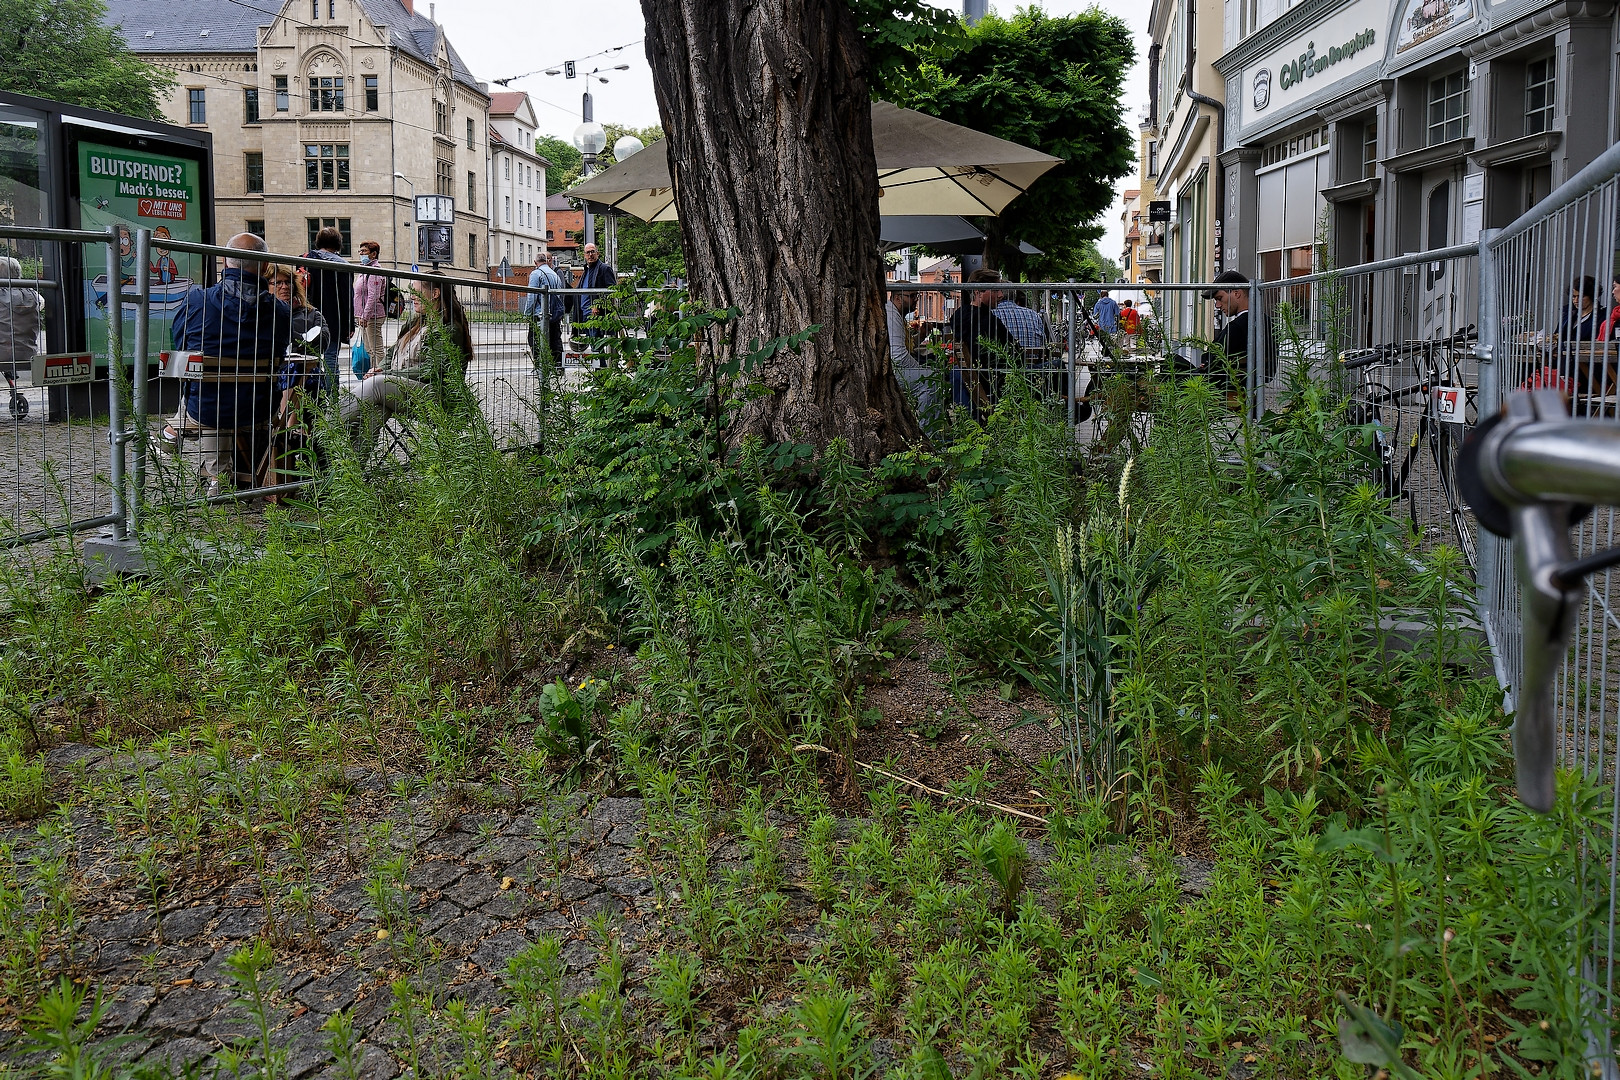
[(185, 1009), (60, 757), (440, 914), (231, 1026), (501, 852), (508, 904), (466, 931), (176, 1054), (493, 952), (579, 955), (551, 922), (613, 862), (375, 1064), (434, 875), (329, 993), (454, 844), (575, 889), (186, 923), (306, 1044), (120, 928), (475, 889), (238, 923), (629, 887), (127, 1006), (483, 994), (595, 904)]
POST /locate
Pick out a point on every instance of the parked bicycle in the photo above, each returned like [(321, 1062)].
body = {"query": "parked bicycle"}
[(1425, 376)]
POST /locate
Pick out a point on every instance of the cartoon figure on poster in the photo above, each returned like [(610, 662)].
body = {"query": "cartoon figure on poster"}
[(1424, 20), (164, 269)]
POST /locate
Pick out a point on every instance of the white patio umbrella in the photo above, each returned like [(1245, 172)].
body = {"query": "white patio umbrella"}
[(925, 166)]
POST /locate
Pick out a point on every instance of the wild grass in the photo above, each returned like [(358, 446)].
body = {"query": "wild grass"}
[(1263, 806)]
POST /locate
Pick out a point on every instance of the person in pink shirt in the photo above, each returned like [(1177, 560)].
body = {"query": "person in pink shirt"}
[(369, 311)]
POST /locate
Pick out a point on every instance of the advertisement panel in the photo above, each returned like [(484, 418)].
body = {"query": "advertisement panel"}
[(132, 189)]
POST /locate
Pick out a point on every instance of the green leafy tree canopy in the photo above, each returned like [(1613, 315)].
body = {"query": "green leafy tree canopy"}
[(1051, 83), (63, 50), (566, 163)]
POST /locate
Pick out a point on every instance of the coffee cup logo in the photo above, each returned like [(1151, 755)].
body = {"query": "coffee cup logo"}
[(1262, 89)]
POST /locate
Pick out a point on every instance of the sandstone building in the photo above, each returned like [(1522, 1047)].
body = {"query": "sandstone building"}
[(330, 112)]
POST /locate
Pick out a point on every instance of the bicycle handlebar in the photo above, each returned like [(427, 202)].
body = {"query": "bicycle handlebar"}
[(1381, 353), (1530, 474)]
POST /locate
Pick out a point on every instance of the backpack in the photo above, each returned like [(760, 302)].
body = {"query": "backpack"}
[(393, 300)]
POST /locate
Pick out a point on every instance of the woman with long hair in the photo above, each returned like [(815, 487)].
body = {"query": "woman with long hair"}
[(432, 352)]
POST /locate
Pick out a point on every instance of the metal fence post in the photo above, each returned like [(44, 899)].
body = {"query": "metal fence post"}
[(1256, 318), (138, 375), (1074, 378), (115, 360)]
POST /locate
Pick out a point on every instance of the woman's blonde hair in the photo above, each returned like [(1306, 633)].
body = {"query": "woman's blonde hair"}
[(299, 297)]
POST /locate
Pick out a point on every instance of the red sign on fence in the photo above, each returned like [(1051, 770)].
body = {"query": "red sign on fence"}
[(172, 209)]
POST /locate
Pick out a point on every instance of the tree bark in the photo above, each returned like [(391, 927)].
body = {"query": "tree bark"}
[(767, 109)]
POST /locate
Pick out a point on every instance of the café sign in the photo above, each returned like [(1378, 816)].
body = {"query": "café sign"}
[(1345, 43)]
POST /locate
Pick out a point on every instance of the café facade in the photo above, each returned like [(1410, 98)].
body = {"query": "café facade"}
[(1386, 127)]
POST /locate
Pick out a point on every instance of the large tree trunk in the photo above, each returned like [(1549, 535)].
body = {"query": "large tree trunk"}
[(768, 116)]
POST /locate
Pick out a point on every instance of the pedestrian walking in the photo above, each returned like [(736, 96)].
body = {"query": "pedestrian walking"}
[(370, 309)]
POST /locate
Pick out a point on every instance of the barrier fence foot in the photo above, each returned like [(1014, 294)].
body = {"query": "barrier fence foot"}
[(106, 556)]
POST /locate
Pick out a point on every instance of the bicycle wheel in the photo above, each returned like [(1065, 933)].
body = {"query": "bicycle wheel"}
[(1446, 441), (1376, 410)]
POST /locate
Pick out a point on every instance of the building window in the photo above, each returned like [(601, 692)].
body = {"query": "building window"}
[(1539, 96), (314, 9), (1305, 142), (326, 94), (1369, 149), (371, 93), (197, 106), (445, 179), (472, 250), (509, 209), (472, 190), (1448, 108), (250, 105), (326, 166), (315, 224), (255, 173), (548, 236), (281, 93), (331, 9), (256, 227), (506, 168), (441, 118), (509, 251), (469, 133)]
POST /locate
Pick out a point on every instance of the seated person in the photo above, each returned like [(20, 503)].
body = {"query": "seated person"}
[(1584, 317), (234, 320), (912, 372), (1027, 326), (1226, 365), (411, 367), (984, 345)]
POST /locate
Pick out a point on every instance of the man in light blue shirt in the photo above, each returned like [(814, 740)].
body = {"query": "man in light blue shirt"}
[(544, 277), (1106, 312)]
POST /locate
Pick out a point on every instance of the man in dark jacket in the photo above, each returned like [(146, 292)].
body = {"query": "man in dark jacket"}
[(233, 320), (984, 346), (332, 293), (596, 275)]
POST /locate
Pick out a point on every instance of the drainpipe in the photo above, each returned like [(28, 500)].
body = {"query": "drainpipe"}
[(1220, 126), (1153, 85)]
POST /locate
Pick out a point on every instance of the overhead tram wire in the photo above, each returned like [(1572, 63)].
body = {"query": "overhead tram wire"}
[(551, 69)]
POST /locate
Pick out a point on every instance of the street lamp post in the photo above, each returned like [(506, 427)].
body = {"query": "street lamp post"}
[(412, 222), (589, 140)]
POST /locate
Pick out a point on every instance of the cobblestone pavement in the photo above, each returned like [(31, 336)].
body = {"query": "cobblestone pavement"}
[(481, 888)]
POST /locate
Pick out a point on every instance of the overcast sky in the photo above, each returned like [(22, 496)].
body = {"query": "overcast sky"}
[(500, 39)]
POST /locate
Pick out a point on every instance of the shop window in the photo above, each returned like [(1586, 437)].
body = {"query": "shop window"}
[(250, 105), (282, 96), (315, 224), (1369, 149), (1448, 108), (197, 106), (1540, 93), (254, 167), (1306, 142), (371, 93)]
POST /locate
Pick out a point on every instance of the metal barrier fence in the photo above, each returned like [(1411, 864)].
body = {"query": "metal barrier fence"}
[(1547, 281), (229, 393), (1397, 337)]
